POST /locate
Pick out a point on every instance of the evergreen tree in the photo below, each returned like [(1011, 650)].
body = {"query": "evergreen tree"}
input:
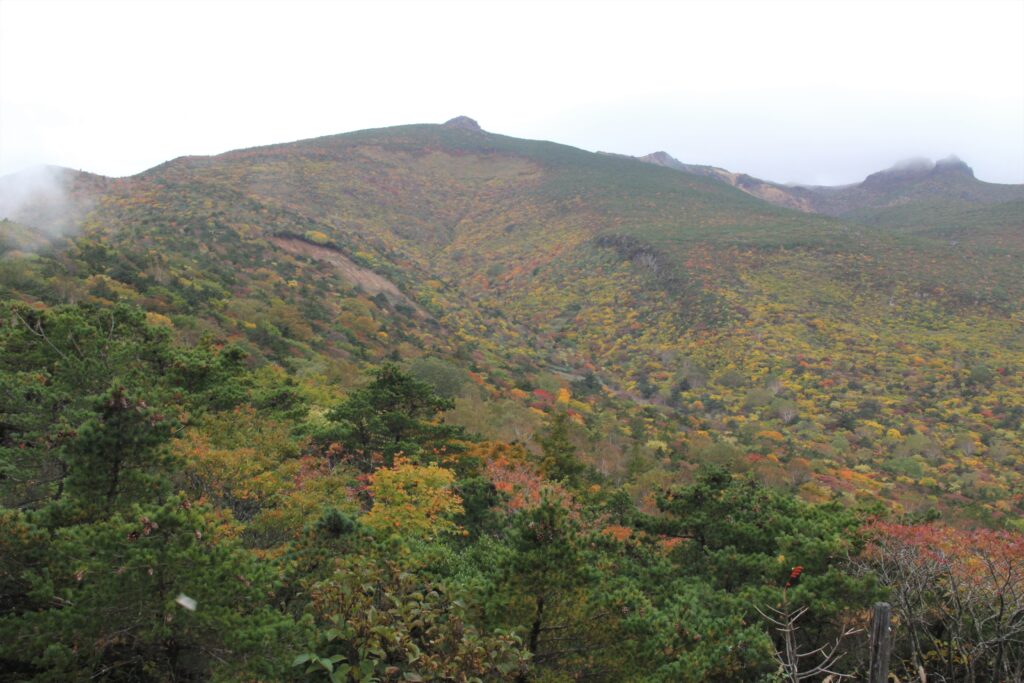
[(55, 364), (113, 600), (395, 413), (115, 579), (734, 531), (559, 460), (550, 587), (117, 456)]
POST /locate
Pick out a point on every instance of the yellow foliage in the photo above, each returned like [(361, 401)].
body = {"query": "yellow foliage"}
[(158, 320), (316, 237), (871, 424), (413, 500), (771, 435)]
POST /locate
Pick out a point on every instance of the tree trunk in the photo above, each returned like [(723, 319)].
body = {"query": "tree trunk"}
[(532, 643)]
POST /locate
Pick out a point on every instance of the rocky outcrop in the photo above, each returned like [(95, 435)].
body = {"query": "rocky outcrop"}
[(463, 123)]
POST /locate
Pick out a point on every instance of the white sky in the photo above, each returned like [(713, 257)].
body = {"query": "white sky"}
[(823, 92)]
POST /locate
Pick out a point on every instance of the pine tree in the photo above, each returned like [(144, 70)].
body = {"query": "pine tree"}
[(113, 600), (118, 455), (395, 414), (116, 579), (559, 460)]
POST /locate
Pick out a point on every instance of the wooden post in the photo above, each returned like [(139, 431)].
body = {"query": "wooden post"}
[(880, 643)]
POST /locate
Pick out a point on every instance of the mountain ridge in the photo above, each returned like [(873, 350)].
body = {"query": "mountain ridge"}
[(908, 181), (901, 183)]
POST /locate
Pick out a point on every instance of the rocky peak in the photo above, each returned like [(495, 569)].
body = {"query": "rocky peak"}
[(664, 159), (661, 158), (913, 170), (463, 122), (952, 165)]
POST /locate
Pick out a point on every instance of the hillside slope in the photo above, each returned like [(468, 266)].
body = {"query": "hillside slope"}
[(690, 321)]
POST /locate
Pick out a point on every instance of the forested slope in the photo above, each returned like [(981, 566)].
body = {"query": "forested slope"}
[(554, 415)]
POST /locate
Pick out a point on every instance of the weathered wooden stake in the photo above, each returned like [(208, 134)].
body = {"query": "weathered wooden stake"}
[(881, 642)]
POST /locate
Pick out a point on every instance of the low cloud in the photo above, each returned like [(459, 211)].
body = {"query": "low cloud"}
[(41, 198), (914, 164)]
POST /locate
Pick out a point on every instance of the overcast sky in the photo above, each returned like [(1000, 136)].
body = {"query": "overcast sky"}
[(815, 92)]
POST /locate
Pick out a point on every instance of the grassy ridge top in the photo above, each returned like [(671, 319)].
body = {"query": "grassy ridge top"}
[(618, 188)]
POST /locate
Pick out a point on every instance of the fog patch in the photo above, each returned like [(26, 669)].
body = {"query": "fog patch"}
[(913, 164), (41, 198)]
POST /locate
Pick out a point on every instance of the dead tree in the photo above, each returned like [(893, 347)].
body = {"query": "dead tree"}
[(801, 665)]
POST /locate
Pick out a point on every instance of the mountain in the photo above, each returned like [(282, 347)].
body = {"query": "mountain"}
[(463, 122), (428, 401), (694, 317), (917, 194)]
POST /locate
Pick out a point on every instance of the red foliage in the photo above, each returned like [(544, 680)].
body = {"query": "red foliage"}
[(970, 556), (794, 576), (545, 396)]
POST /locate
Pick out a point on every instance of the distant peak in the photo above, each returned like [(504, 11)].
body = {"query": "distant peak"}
[(463, 122), (919, 169), (663, 159), (953, 164), (660, 157)]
